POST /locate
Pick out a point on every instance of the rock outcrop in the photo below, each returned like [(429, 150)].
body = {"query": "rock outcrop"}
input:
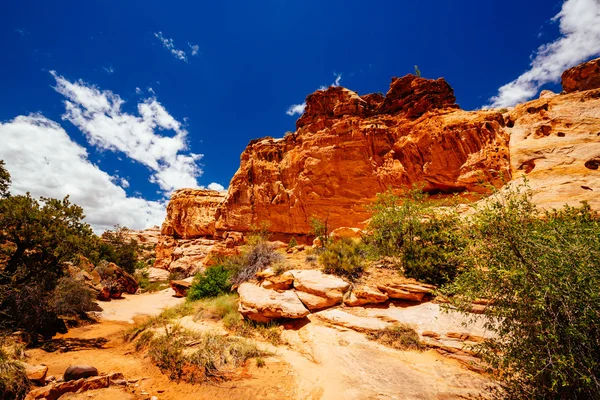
[(555, 143), (585, 76), (191, 213), (348, 148)]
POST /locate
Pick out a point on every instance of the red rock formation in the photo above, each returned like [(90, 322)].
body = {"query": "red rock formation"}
[(191, 213), (585, 76), (348, 148)]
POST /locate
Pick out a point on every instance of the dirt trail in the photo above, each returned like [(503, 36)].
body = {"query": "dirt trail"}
[(320, 362)]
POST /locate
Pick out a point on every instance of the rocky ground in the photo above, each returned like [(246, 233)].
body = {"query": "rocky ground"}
[(327, 356)]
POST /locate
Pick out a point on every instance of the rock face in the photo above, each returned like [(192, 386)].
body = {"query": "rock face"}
[(585, 76), (555, 142), (348, 148), (191, 213)]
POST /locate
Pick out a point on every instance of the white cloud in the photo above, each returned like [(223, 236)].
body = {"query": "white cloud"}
[(169, 45), (109, 70), (216, 186), (138, 90), (338, 78), (44, 161), (296, 109), (579, 22), (195, 49), (124, 183), (99, 116)]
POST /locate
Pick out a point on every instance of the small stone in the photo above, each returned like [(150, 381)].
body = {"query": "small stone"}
[(75, 372)]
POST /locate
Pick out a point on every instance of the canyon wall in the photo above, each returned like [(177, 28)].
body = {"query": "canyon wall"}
[(347, 148)]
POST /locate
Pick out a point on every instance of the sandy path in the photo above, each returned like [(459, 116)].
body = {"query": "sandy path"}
[(130, 306)]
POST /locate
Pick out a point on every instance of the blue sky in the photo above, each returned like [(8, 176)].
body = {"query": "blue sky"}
[(114, 102)]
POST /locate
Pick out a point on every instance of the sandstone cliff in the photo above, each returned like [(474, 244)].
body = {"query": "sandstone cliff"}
[(347, 148)]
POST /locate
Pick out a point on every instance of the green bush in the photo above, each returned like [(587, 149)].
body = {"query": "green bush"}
[(72, 297), (293, 243), (344, 257), (541, 272), (426, 238), (214, 281)]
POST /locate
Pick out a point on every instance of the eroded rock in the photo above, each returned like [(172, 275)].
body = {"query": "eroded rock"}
[(264, 305), (319, 284), (362, 295)]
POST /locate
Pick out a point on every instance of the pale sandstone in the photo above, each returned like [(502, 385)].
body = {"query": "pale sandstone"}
[(264, 305)]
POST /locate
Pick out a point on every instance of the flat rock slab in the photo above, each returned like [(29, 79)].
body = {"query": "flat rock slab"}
[(362, 295), (406, 291), (320, 284), (360, 324), (264, 305)]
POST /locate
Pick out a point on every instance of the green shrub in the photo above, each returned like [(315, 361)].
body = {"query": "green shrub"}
[(13, 379), (293, 243), (344, 257), (213, 282), (320, 230), (541, 272), (72, 297), (398, 336), (427, 239)]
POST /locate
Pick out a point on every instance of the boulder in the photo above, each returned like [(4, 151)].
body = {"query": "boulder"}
[(264, 305), (584, 76), (269, 280), (36, 374), (406, 291), (157, 275), (362, 295), (314, 302), (181, 287), (346, 233), (75, 372), (319, 284)]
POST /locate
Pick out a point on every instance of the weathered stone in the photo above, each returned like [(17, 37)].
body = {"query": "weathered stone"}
[(347, 320), (191, 213), (362, 295), (181, 287), (584, 76), (264, 305), (284, 281), (406, 291), (320, 284), (157, 275), (75, 372), (314, 302), (37, 374), (346, 233)]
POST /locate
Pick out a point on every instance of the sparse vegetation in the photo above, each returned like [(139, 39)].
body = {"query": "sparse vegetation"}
[(293, 243), (197, 357), (427, 240), (398, 336), (541, 272), (14, 384), (344, 257), (257, 255), (320, 230), (213, 282), (72, 297)]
